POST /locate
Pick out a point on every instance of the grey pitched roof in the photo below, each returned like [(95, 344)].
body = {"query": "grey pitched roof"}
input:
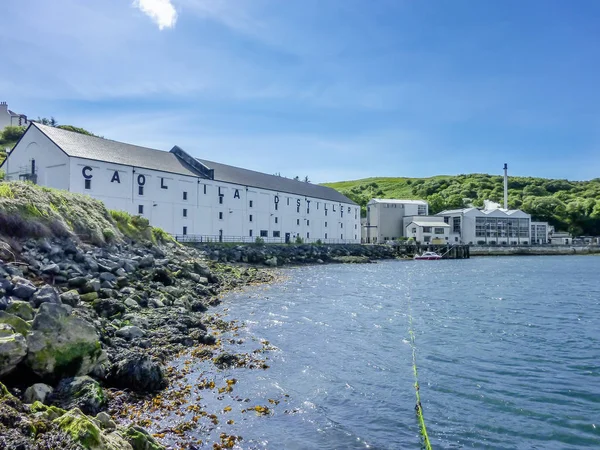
[(100, 149), (246, 177)]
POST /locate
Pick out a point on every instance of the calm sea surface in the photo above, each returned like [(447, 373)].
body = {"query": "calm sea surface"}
[(508, 352)]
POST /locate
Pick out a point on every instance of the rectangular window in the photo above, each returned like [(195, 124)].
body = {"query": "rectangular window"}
[(447, 219), (140, 190), (276, 206), (204, 189), (250, 217), (325, 212), (341, 236), (426, 238), (264, 233), (342, 212), (307, 222), (220, 199), (184, 212), (184, 231), (325, 224), (341, 225), (88, 184), (307, 235), (439, 230), (456, 224), (251, 203), (422, 210), (250, 233), (276, 234), (325, 235), (140, 209), (184, 195), (307, 210), (276, 219), (426, 229), (414, 229), (297, 221), (355, 226), (220, 216), (288, 201)]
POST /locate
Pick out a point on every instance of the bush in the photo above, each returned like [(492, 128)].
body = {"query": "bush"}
[(299, 240), (109, 234), (259, 240), (11, 134), (319, 242)]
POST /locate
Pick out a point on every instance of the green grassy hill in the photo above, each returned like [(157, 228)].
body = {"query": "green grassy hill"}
[(569, 205)]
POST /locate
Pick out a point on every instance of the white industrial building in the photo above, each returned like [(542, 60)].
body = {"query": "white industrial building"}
[(494, 226), (185, 196), (427, 229), (385, 218)]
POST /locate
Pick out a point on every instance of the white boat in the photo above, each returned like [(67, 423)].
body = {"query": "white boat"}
[(428, 256)]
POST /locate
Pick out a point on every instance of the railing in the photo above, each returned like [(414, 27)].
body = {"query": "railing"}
[(211, 239)]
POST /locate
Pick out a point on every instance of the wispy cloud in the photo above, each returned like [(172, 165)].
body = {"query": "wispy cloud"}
[(162, 12)]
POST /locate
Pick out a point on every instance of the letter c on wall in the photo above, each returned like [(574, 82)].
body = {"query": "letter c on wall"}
[(85, 173)]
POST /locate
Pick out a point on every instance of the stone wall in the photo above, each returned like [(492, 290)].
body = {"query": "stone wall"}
[(279, 255), (477, 250)]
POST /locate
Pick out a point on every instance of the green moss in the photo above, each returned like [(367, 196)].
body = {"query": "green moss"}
[(89, 297), (4, 392), (67, 360), (6, 191), (51, 412), (80, 428), (140, 439), (17, 323)]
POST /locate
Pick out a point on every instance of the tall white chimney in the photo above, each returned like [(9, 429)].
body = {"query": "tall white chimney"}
[(505, 186)]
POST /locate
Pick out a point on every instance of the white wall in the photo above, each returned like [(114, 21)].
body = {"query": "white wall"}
[(52, 165), (438, 231)]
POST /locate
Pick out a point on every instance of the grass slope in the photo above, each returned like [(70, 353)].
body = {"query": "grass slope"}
[(569, 205)]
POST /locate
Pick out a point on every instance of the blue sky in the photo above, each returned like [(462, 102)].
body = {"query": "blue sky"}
[(332, 89)]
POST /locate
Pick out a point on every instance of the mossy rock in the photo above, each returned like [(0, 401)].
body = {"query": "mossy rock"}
[(140, 439), (89, 297), (17, 323), (21, 309), (50, 412), (82, 429), (4, 392)]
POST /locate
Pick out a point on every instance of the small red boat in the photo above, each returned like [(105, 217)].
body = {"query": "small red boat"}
[(428, 256)]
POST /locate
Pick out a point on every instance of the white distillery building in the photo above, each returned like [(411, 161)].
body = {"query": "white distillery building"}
[(427, 229), (497, 226), (185, 196), (385, 218)]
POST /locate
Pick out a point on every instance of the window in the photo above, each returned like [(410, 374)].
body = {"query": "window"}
[(341, 225), (204, 189), (325, 212), (439, 230), (220, 199), (297, 221), (342, 212), (422, 210), (140, 190), (426, 238), (264, 233), (250, 217), (184, 231), (341, 236), (184, 195), (184, 212), (251, 203), (140, 209), (447, 219), (220, 216), (456, 224), (276, 219), (414, 229), (325, 224), (307, 222), (355, 226), (250, 233), (276, 234), (307, 235), (325, 235), (288, 201), (426, 229), (88, 184)]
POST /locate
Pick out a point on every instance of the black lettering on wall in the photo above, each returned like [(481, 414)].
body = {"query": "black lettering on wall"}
[(141, 180), (236, 194), (162, 184), (86, 175), (276, 199), (115, 177), (220, 193), (298, 202)]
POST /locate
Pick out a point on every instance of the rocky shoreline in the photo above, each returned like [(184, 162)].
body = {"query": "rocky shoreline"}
[(86, 330)]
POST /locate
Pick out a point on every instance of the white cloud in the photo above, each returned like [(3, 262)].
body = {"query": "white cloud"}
[(160, 11)]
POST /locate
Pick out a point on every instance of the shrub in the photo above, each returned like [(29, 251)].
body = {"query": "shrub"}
[(161, 235), (319, 242), (259, 240), (299, 240), (109, 234), (11, 134)]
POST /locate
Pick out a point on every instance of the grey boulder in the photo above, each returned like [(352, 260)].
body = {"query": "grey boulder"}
[(37, 393)]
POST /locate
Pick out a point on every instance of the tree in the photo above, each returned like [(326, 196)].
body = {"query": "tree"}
[(11, 134), (436, 203)]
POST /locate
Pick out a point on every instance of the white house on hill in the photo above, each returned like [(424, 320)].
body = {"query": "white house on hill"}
[(184, 195), (11, 118)]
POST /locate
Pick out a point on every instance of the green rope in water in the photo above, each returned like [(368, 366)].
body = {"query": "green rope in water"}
[(418, 407)]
